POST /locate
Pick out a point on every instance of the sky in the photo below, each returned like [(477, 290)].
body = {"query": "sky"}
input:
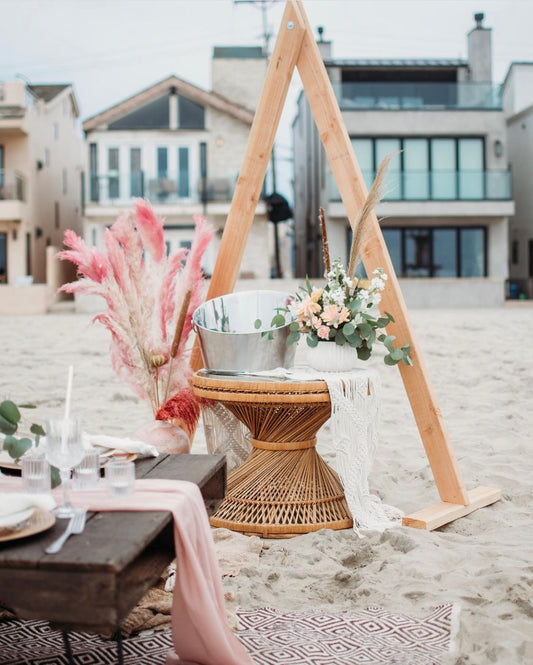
[(111, 49)]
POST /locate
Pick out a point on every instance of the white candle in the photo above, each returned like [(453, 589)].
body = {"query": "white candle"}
[(67, 410)]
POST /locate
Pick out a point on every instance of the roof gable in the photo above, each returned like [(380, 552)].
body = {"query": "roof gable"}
[(155, 92)]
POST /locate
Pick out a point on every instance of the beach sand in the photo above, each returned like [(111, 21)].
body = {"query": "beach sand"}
[(481, 366)]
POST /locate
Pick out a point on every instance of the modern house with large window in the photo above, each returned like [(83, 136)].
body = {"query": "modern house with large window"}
[(448, 195), (181, 147), (40, 177)]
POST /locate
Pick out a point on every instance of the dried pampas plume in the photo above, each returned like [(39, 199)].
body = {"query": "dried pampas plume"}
[(325, 243), (362, 221)]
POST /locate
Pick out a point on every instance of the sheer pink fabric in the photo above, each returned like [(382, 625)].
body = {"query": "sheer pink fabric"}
[(200, 631)]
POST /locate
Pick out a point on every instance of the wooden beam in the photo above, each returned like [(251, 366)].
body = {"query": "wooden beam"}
[(256, 158), (349, 179), (442, 513)]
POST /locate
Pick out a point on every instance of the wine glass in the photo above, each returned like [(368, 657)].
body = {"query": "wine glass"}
[(64, 449)]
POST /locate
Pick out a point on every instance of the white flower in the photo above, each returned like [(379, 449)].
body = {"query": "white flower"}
[(376, 298), (363, 295), (377, 284)]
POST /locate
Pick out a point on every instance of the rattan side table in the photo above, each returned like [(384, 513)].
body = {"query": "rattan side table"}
[(284, 488)]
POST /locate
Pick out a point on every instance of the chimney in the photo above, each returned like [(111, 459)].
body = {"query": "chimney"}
[(480, 51), (323, 46), (238, 73)]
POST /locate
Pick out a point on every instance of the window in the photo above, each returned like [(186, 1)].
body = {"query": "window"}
[(162, 162), (437, 251), (183, 173), (190, 114), (514, 252), (93, 237), (93, 172), (56, 214), (136, 174), (64, 181), (433, 168), (47, 157), (154, 115), (56, 131), (113, 173)]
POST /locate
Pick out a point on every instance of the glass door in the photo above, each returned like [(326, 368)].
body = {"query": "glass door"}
[(136, 174), (443, 170), (471, 169), (415, 170)]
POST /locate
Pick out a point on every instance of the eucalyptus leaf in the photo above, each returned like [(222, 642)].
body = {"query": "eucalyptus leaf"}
[(363, 353), (396, 354), (278, 321), (294, 326), (7, 427), (37, 429), (257, 324), (27, 406), (407, 361), (348, 329), (9, 411), (354, 340), (364, 329), (312, 340), (383, 321), (340, 339), (17, 447), (292, 338), (387, 342), (389, 360), (55, 477), (390, 317)]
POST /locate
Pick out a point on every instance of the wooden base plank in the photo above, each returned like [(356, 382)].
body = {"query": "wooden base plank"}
[(443, 513)]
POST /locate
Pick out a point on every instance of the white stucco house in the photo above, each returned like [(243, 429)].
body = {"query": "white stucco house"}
[(180, 147), (445, 214), (40, 186)]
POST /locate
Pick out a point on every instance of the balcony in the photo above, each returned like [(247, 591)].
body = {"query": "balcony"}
[(418, 96), (115, 188), (439, 186), (12, 194)]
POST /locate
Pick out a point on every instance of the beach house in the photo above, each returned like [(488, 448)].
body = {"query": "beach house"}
[(448, 195), (40, 181), (181, 147), (518, 107)]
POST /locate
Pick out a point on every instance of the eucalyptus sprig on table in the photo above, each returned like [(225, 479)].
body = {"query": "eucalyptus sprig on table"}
[(10, 418)]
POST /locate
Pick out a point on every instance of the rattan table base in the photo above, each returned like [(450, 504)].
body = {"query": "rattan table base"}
[(284, 488)]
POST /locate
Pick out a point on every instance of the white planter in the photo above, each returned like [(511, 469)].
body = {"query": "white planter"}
[(330, 357)]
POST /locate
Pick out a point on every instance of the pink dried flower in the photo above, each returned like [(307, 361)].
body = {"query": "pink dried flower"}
[(323, 332), (142, 298)]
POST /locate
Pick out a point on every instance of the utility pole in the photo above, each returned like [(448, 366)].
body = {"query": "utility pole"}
[(266, 36)]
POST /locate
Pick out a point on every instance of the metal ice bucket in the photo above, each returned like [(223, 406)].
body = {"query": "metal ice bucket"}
[(229, 340)]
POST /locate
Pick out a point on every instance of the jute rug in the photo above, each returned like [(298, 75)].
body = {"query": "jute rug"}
[(368, 637)]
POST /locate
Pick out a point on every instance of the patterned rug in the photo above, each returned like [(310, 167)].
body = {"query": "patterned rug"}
[(369, 637)]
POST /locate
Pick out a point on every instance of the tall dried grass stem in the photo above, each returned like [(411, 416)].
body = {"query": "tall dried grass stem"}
[(363, 220), (180, 324), (325, 243)]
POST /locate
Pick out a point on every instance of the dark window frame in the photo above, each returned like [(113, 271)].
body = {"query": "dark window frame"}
[(458, 229)]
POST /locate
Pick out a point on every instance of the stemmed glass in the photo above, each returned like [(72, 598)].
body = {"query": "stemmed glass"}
[(64, 449)]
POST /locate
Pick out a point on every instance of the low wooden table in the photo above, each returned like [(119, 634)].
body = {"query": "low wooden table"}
[(94, 582), (284, 488)]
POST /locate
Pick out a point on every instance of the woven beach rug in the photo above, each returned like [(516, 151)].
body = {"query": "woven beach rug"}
[(368, 637)]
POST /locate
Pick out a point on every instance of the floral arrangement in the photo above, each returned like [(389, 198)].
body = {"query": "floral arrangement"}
[(150, 298), (345, 311)]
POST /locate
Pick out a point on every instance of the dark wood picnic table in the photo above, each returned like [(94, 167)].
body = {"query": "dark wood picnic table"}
[(97, 578)]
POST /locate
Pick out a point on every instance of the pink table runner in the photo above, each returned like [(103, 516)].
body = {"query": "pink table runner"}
[(200, 631)]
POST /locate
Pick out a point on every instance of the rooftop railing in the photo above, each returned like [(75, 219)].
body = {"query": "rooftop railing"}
[(12, 185), (115, 188), (439, 186), (418, 96)]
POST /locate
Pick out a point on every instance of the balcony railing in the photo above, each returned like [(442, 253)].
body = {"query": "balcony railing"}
[(117, 188), (12, 185), (439, 186), (418, 96)]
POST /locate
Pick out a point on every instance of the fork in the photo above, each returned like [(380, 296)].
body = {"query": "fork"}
[(75, 526)]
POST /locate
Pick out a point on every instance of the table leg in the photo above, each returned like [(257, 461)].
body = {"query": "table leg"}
[(68, 650)]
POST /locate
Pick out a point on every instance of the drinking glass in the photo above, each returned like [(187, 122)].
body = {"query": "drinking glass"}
[(35, 474), (87, 472), (120, 477), (64, 449)]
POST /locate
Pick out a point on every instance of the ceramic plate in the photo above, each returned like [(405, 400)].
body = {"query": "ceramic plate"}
[(41, 520), (116, 455), (11, 521)]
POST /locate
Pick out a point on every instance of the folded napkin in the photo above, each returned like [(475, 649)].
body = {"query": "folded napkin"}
[(14, 502), (123, 444)]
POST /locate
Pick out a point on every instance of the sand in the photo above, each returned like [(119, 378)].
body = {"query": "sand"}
[(481, 366)]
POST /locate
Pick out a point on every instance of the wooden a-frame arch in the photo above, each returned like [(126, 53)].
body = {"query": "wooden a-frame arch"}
[(296, 47)]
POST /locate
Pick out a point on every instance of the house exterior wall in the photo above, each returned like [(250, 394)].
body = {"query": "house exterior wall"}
[(467, 107), (520, 137), (44, 148)]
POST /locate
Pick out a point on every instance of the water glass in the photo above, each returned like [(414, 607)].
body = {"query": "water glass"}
[(64, 449), (36, 477), (120, 477), (87, 473)]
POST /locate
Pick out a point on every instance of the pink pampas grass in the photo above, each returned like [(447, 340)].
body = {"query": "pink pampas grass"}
[(144, 292)]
